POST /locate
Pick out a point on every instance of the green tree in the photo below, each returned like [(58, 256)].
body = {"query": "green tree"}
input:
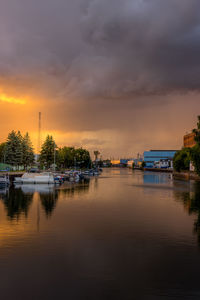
[(82, 157), (47, 152), (27, 148), (182, 160), (195, 151), (195, 156), (2, 152), (197, 131), (66, 157), (143, 164), (13, 149), (69, 156)]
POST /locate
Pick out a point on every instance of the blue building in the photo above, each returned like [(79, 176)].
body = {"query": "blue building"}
[(123, 161), (153, 156)]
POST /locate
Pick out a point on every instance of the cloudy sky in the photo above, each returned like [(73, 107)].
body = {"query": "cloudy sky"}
[(121, 76)]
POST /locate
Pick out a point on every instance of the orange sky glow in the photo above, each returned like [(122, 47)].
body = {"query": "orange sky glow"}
[(121, 132), (8, 99), (122, 85)]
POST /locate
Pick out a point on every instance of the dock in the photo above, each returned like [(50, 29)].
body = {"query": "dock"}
[(12, 175)]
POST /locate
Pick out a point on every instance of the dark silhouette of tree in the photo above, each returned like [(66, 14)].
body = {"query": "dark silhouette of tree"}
[(48, 202), (48, 151), (17, 203), (191, 203)]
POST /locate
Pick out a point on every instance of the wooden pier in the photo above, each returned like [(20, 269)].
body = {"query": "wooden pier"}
[(12, 175)]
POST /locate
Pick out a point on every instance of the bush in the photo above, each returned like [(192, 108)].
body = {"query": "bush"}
[(182, 159), (195, 156), (143, 164)]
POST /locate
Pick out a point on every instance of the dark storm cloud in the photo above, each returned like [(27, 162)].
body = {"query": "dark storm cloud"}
[(100, 49)]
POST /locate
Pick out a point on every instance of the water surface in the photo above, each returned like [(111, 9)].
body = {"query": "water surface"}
[(124, 235)]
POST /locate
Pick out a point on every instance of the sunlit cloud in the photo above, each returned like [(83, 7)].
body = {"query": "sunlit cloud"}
[(8, 99)]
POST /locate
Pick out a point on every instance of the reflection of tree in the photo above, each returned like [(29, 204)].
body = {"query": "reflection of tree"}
[(17, 203), (191, 201), (48, 201), (96, 183), (75, 189)]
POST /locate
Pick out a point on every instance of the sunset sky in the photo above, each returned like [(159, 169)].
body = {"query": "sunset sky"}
[(121, 76)]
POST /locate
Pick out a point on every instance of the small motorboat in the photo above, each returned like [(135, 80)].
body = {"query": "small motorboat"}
[(59, 179)]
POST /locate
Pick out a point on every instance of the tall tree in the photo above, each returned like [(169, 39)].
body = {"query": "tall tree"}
[(2, 152), (13, 150), (197, 131), (195, 151), (82, 157), (48, 151), (27, 148), (182, 159)]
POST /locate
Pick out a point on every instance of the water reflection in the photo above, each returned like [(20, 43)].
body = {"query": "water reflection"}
[(71, 190), (17, 200), (133, 242), (156, 178), (191, 202), (48, 202), (186, 192), (48, 195)]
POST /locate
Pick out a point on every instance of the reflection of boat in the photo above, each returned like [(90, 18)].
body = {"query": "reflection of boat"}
[(74, 177), (4, 180), (3, 190), (36, 178), (32, 188)]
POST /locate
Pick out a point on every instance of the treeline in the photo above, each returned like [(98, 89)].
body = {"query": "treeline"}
[(183, 157), (64, 157), (18, 151)]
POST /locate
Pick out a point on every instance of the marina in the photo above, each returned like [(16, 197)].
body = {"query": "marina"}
[(99, 150)]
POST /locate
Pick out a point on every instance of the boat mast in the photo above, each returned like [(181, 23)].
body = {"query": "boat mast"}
[(39, 134)]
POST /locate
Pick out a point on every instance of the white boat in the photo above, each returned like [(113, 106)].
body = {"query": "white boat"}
[(4, 180), (35, 178)]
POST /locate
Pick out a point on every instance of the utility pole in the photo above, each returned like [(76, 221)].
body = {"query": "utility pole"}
[(54, 158)]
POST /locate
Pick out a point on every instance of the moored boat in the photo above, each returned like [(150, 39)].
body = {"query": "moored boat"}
[(35, 178), (4, 180)]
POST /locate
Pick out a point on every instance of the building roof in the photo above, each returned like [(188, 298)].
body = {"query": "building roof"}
[(164, 150)]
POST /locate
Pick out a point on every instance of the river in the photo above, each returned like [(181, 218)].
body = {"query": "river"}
[(125, 235)]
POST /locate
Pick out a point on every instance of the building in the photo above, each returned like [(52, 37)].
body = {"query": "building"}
[(130, 163), (138, 162), (154, 157), (115, 163), (189, 140), (123, 161), (164, 164)]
